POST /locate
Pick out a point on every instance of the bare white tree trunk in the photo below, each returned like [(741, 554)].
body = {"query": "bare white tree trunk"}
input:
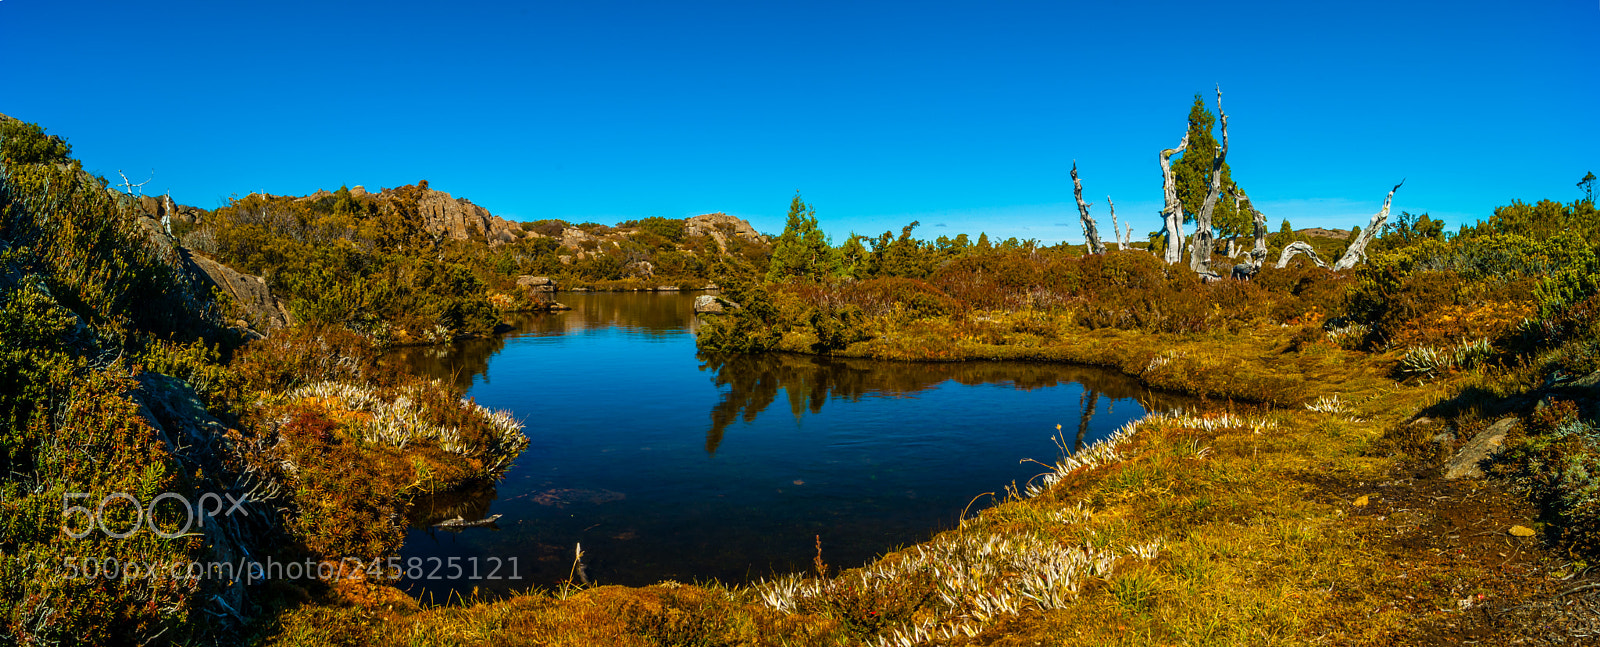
[(1299, 247), (1200, 250), (1091, 234), (1172, 213), (1358, 249), (166, 213), (1116, 231), (1122, 243), (1258, 254)]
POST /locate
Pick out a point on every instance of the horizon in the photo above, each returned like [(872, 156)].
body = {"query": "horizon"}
[(963, 119)]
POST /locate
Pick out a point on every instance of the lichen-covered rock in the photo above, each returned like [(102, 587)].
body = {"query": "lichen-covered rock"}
[(1483, 446)]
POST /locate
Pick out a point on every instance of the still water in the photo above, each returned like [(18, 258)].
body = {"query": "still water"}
[(665, 464)]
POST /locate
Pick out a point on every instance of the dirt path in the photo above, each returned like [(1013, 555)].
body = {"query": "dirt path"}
[(1455, 567)]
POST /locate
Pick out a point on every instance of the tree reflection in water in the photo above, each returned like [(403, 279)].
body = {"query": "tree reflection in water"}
[(808, 381), (661, 315)]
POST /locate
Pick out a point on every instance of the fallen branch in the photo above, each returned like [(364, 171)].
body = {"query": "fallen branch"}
[(458, 522)]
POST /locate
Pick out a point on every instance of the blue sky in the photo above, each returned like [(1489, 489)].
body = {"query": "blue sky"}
[(965, 115)]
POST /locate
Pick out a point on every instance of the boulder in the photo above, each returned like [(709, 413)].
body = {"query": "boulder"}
[(666, 288), (556, 305), (537, 283), (261, 308), (712, 304), (1487, 444)]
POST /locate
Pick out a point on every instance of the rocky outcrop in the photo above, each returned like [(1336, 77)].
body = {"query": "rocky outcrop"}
[(262, 311), (168, 213), (719, 226), (452, 218), (199, 275)]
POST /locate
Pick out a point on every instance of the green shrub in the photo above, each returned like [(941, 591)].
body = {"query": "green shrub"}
[(26, 143), (1555, 461)]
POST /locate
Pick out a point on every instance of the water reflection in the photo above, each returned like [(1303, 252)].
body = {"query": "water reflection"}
[(649, 314), (468, 503), (625, 460), (752, 384)]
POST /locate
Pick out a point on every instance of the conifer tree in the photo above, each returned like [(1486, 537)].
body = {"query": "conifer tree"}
[(802, 252), (1193, 175)]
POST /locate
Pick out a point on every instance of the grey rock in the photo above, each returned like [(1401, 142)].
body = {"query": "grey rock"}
[(1487, 444), (711, 304)]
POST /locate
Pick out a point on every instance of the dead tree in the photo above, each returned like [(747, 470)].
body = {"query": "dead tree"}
[(1358, 249), (1172, 213), (1116, 231), (1258, 254), (130, 188), (1298, 247), (1091, 234), (166, 213), (1200, 249)]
